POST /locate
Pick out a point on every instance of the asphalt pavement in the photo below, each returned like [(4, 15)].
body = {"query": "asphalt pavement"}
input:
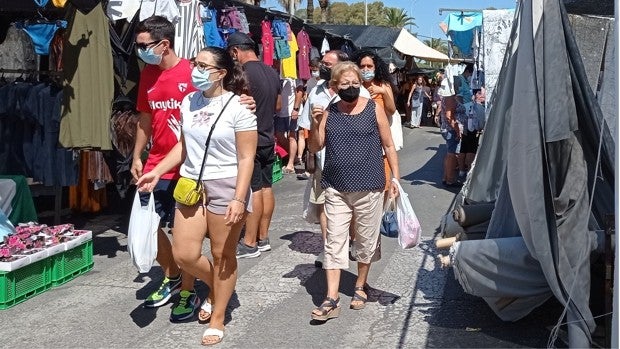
[(413, 302)]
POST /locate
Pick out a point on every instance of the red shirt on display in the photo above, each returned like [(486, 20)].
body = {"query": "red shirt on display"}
[(160, 94)]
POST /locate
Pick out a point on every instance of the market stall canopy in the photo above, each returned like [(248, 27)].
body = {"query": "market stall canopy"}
[(369, 37), (364, 36), (548, 171), (409, 45)]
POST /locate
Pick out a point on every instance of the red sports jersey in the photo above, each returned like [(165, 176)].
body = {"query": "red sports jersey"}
[(160, 93)]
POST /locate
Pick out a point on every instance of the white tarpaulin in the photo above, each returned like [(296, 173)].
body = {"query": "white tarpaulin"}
[(412, 46)]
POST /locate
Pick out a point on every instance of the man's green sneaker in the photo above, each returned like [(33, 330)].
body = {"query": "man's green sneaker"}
[(160, 297), (187, 306)]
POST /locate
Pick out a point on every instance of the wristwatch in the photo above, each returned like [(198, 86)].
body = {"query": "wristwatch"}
[(296, 108)]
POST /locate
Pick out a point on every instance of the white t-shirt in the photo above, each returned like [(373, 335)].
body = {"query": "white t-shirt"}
[(197, 116), (289, 86)]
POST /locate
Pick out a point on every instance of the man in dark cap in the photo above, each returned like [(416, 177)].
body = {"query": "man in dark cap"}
[(265, 88)]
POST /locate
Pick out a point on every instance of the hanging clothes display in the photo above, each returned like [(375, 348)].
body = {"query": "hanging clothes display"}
[(41, 34), (289, 64), (17, 52), (189, 34), (303, 55), (212, 37), (59, 3), (88, 92), (460, 27), (324, 46), (268, 42), (233, 17), (29, 124), (165, 8), (122, 9), (84, 197)]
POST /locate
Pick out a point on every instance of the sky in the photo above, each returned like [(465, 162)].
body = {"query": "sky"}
[(425, 12)]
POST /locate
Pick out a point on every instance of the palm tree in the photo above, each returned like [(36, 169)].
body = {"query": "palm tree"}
[(310, 11), (437, 44), (397, 18), (287, 3), (324, 4)]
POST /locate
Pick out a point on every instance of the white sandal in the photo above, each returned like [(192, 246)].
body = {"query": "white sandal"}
[(212, 332), (206, 307)]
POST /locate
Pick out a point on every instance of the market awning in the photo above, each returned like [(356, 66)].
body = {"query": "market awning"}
[(412, 46)]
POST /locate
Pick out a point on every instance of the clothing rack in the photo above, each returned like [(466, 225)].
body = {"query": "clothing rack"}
[(32, 71)]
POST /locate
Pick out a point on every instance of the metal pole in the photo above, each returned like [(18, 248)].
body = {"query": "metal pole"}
[(365, 12), (291, 7)]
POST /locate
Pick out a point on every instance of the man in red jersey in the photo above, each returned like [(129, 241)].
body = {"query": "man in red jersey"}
[(164, 82)]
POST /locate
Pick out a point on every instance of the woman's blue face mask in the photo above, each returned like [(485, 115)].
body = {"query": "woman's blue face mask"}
[(368, 75)]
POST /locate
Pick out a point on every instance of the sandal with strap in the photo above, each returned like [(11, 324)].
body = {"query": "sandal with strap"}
[(205, 311), (359, 298), (329, 309), (212, 332)]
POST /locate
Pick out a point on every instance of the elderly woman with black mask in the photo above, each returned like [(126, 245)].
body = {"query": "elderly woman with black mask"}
[(354, 132)]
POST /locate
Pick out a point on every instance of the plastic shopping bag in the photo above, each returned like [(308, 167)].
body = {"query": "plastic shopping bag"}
[(310, 211), (142, 234), (389, 224), (409, 230)]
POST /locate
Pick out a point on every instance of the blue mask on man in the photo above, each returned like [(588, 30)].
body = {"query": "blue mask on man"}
[(149, 56)]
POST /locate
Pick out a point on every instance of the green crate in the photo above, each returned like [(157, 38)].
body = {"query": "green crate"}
[(70, 264), (277, 170), (21, 284)]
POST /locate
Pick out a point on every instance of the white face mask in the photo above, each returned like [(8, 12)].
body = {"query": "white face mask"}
[(315, 73)]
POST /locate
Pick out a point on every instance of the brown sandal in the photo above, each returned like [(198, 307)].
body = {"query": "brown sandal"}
[(359, 298), (329, 309)]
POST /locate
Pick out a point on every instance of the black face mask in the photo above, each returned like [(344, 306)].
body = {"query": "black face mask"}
[(325, 73), (349, 94)]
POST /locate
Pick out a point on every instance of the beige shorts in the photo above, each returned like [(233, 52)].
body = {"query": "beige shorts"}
[(219, 192), (339, 209), (317, 194)]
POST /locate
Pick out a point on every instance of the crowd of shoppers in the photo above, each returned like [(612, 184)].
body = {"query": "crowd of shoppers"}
[(222, 129)]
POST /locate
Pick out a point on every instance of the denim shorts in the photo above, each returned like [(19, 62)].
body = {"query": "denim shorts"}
[(164, 202), (451, 142)]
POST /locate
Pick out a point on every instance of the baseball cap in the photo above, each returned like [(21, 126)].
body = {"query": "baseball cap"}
[(239, 38)]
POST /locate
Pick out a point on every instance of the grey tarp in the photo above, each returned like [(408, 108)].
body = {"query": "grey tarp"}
[(537, 162)]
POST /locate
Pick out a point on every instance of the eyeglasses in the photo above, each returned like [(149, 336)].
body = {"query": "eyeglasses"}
[(145, 45), (344, 86), (325, 64), (202, 66)]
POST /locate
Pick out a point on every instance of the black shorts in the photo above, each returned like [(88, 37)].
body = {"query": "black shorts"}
[(164, 202), (263, 167), (469, 143)]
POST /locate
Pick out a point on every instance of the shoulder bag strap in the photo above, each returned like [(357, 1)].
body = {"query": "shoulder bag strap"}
[(204, 158)]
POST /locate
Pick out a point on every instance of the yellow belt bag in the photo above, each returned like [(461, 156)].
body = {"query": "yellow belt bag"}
[(189, 191)]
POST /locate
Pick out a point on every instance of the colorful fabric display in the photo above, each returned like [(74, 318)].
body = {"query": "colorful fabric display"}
[(303, 55)]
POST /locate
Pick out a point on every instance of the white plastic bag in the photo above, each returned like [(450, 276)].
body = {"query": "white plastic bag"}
[(142, 234), (310, 211), (397, 130), (409, 230)]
